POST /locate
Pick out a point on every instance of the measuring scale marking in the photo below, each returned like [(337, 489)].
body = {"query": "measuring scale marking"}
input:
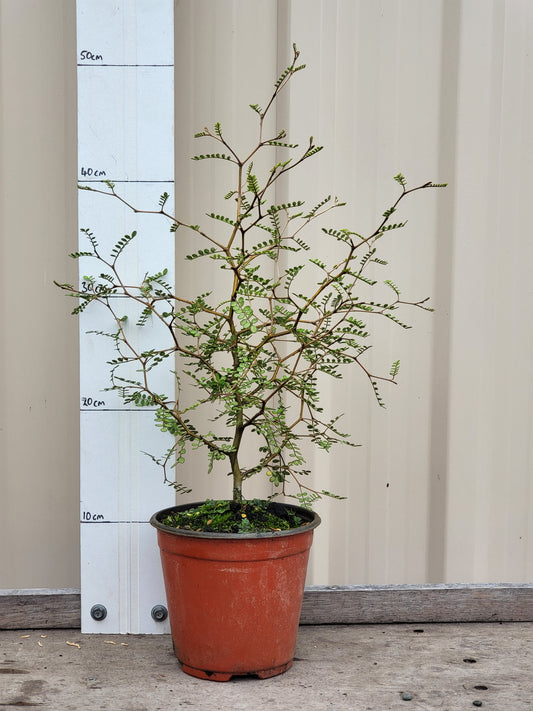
[(125, 134)]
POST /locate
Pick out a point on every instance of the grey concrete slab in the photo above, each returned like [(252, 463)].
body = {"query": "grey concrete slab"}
[(359, 667)]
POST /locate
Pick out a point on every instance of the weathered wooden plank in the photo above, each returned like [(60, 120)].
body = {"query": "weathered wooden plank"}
[(417, 604), (352, 604), (39, 609)]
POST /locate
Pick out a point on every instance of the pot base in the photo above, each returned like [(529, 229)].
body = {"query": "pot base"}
[(226, 676)]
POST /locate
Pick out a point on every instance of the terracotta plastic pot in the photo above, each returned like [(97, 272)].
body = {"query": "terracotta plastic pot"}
[(234, 600)]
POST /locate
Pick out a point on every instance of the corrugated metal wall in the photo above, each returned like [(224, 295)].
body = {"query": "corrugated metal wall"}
[(441, 490), (39, 423)]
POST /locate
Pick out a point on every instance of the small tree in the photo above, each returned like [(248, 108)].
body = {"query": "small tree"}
[(254, 356)]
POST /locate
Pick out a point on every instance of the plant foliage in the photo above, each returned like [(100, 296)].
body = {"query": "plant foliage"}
[(257, 356)]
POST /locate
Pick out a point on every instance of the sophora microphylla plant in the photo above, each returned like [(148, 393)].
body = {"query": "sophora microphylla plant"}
[(255, 355)]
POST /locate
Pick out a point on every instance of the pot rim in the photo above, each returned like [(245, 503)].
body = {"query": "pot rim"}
[(313, 520)]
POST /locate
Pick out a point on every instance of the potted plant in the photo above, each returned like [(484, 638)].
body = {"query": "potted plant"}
[(255, 357)]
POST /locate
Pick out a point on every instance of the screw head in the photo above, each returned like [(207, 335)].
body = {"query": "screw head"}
[(98, 612), (159, 613)]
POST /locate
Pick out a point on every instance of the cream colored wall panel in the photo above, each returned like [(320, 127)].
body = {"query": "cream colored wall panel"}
[(226, 56), (377, 115), (442, 488), (437, 89), (491, 390), (39, 474)]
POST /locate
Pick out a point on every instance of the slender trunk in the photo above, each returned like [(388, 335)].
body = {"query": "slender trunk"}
[(237, 481), (234, 459)]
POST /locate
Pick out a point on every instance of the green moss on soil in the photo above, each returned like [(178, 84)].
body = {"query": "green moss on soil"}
[(254, 516)]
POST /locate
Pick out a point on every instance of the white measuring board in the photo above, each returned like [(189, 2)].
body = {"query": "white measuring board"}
[(125, 134)]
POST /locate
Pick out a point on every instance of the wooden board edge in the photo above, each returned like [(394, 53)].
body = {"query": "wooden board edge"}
[(417, 604), (40, 608), (341, 605)]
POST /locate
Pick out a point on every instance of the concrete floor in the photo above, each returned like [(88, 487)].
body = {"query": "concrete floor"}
[(448, 667)]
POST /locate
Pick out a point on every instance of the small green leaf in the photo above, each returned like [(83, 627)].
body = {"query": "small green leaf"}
[(395, 369)]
